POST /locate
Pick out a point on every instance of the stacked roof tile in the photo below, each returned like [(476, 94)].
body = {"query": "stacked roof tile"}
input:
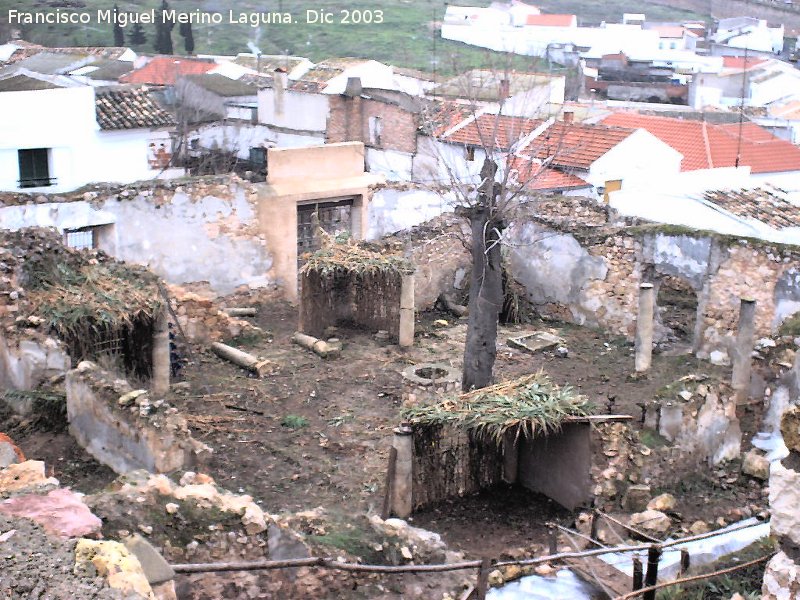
[(129, 109), (576, 145), (498, 131), (706, 146), (164, 70), (762, 204)]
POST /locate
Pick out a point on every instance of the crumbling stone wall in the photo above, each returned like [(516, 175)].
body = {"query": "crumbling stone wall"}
[(187, 230), (127, 429), (578, 264)]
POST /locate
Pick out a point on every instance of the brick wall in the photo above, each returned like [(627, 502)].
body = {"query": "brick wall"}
[(349, 121)]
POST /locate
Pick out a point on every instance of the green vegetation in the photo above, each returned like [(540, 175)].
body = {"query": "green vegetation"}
[(652, 439), (746, 582), (790, 326), (405, 38), (294, 422), (532, 405)]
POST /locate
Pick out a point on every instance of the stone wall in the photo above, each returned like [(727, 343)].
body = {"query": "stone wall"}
[(128, 429), (26, 363), (587, 268)]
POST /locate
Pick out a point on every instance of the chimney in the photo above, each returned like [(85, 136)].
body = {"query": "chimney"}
[(281, 82), (353, 89), (505, 89), (569, 116)]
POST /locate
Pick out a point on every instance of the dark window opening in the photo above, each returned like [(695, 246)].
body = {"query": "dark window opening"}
[(34, 168), (470, 153), (676, 302)]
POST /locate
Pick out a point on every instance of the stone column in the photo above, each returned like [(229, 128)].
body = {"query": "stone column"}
[(406, 334), (644, 327), (742, 360), (160, 355), (782, 575), (510, 456), (403, 484)]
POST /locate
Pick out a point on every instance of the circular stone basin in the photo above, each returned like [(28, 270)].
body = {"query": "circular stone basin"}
[(432, 375)]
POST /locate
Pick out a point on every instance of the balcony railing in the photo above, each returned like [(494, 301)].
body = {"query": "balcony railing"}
[(37, 182)]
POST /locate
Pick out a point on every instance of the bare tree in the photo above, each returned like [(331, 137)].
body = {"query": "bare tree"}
[(487, 200)]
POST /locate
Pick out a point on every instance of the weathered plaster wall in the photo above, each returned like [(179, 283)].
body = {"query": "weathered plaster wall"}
[(394, 209), (24, 364), (576, 265), (195, 230)]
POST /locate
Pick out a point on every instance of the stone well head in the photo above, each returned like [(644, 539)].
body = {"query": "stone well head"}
[(430, 379)]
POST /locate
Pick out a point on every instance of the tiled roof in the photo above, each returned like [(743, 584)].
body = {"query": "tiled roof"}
[(487, 130), (550, 20), (267, 63), (129, 109), (576, 145), (706, 146), (538, 178), (223, 86), (762, 204), (738, 62), (27, 49), (163, 70), (23, 83), (668, 31), (442, 115)]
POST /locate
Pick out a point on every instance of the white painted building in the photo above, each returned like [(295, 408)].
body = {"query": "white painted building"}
[(55, 137), (726, 200), (748, 32), (754, 82)]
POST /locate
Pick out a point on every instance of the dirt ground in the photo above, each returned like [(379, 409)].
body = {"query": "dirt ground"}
[(316, 432)]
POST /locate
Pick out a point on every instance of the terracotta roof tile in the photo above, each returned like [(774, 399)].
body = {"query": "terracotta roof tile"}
[(765, 205), (576, 145), (738, 62), (537, 177), (129, 109), (705, 145), (163, 70), (551, 20), (487, 130), (442, 115)]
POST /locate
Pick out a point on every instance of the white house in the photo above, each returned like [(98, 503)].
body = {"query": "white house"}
[(59, 135), (726, 200), (754, 81), (750, 33)]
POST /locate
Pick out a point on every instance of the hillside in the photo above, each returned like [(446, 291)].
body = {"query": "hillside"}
[(405, 38)]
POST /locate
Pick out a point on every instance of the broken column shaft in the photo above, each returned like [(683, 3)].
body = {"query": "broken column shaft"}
[(242, 359), (644, 328), (160, 353), (403, 482), (742, 360), (406, 334)]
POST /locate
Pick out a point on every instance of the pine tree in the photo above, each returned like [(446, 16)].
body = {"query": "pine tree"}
[(119, 35), (185, 30), (163, 43), (137, 36)]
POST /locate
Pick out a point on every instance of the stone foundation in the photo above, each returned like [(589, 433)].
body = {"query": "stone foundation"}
[(125, 429)]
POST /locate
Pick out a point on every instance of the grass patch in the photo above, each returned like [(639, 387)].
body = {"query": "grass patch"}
[(790, 325), (746, 582), (652, 439), (294, 422)]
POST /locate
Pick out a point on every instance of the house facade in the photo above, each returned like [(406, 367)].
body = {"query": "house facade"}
[(63, 136)]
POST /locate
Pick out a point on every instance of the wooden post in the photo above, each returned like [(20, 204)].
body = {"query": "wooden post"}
[(651, 578), (510, 456), (685, 560), (387, 498), (483, 579), (593, 529), (406, 333), (742, 361), (160, 353), (403, 483), (644, 328), (638, 574), (552, 537)]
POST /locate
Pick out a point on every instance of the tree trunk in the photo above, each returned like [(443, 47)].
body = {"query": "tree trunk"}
[(485, 299)]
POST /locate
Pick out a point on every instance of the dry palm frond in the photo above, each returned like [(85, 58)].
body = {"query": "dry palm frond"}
[(350, 256), (530, 405)]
